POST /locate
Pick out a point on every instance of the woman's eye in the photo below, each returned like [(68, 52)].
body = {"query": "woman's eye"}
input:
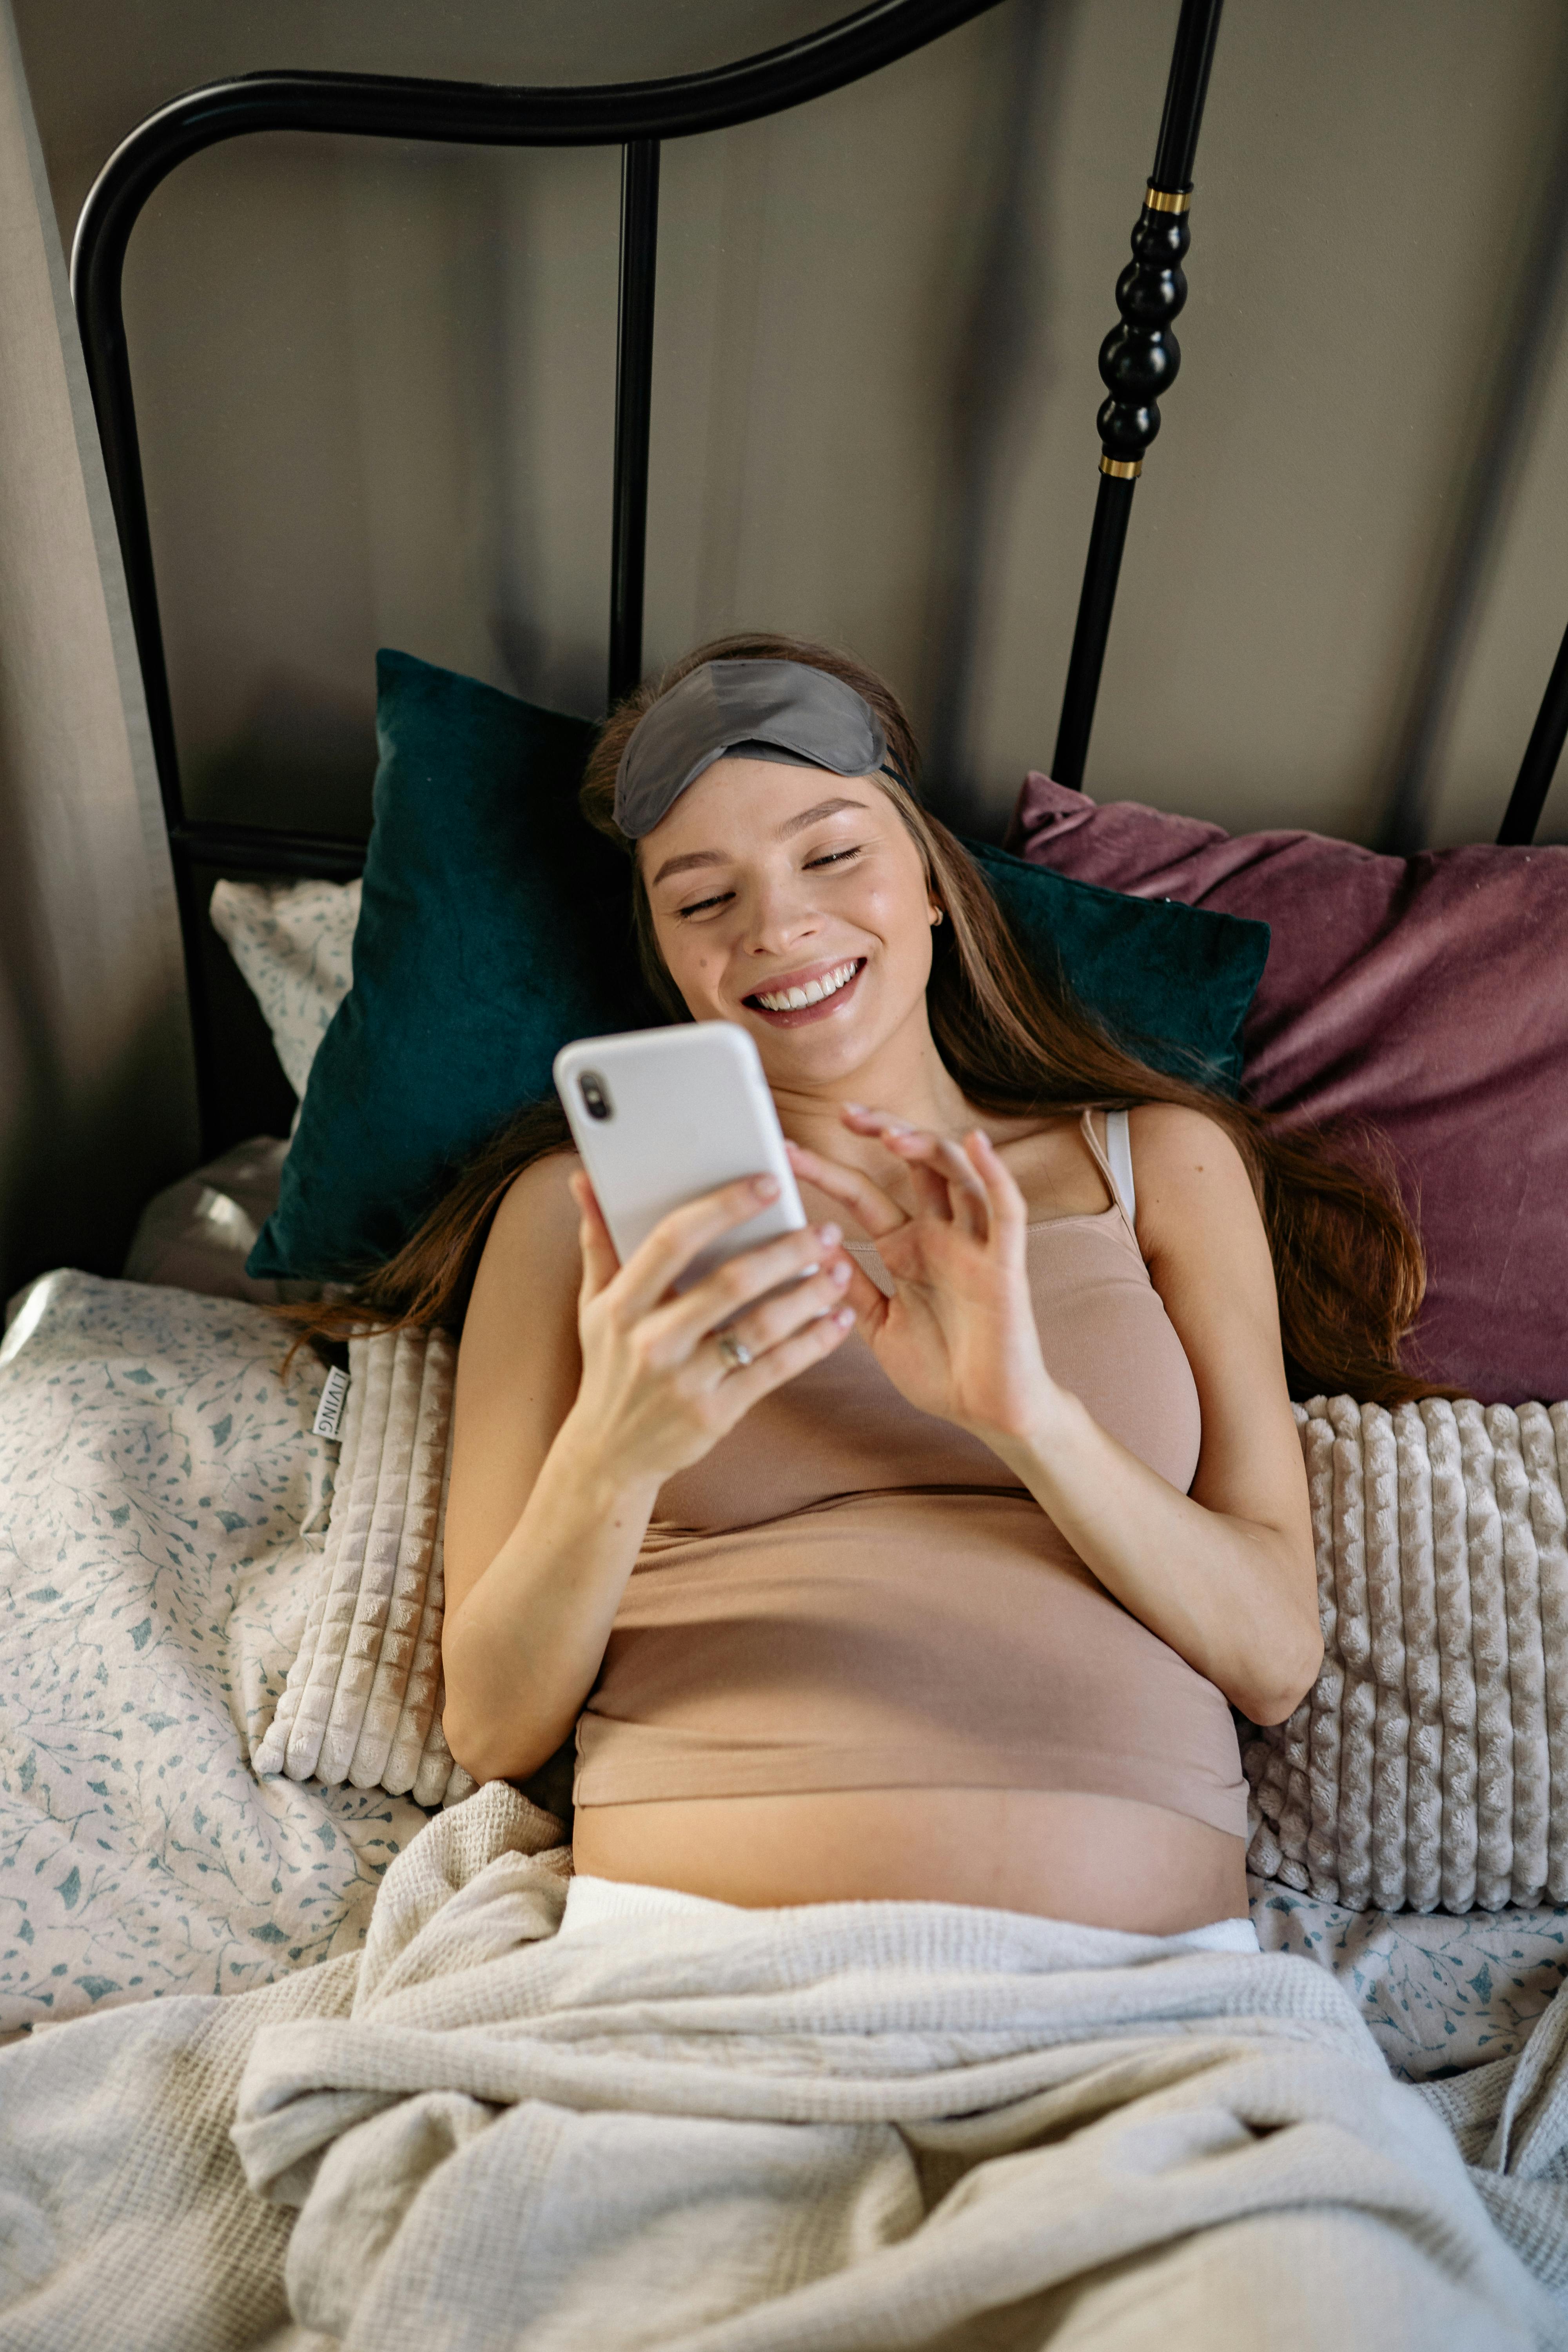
[(835, 856), (701, 905)]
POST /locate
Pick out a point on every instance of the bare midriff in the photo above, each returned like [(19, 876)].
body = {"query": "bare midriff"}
[(1105, 1861)]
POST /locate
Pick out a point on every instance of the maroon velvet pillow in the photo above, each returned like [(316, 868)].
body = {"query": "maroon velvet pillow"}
[(1428, 995)]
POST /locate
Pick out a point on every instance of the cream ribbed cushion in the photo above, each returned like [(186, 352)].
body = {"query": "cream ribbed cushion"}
[(1428, 1768), (362, 1701)]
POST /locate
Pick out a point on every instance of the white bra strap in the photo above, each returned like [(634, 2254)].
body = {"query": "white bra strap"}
[(1119, 1152)]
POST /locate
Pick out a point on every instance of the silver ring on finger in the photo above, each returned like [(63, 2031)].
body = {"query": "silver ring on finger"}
[(734, 1351)]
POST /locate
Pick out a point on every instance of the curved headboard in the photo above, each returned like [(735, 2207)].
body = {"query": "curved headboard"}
[(1138, 359)]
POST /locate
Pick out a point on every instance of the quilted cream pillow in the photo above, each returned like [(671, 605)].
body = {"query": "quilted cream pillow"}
[(1428, 1767), (362, 1701), (1426, 1770)]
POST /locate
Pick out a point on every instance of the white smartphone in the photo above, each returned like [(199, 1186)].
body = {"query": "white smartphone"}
[(662, 1116)]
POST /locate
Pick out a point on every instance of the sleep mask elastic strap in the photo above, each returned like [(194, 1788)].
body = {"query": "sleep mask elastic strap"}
[(781, 710)]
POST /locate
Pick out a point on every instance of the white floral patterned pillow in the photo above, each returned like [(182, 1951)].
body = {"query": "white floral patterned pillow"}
[(293, 941)]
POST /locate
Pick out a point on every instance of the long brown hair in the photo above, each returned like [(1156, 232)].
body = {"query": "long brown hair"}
[(1347, 1258)]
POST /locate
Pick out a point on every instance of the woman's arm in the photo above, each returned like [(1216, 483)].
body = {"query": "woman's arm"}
[(582, 1386), (1226, 1574)]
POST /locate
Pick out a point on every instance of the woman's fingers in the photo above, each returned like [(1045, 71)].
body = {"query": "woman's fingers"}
[(850, 1188), (600, 1264), (1008, 1208), (738, 1391), (675, 1330), (776, 1319), (660, 1261), (946, 1184)]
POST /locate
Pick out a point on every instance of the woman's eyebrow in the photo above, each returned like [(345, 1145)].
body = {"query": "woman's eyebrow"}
[(811, 815), (681, 865), (717, 857)]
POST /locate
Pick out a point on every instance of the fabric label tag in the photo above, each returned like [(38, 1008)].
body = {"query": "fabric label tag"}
[(329, 1412)]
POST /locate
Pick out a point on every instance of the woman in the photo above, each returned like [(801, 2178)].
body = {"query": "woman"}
[(936, 1572)]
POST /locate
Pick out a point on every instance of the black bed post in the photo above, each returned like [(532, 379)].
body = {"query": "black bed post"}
[(634, 408), (1138, 361), (1542, 754)]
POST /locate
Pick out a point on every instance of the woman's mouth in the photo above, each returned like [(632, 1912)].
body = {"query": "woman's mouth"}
[(811, 996)]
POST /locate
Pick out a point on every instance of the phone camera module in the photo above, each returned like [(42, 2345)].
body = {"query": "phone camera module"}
[(590, 1086)]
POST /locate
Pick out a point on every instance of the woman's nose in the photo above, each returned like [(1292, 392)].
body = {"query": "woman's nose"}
[(779, 915)]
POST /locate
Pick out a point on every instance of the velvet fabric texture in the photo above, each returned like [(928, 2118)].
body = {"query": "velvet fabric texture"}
[(495, 926), (1176, 996), (1423, 994)]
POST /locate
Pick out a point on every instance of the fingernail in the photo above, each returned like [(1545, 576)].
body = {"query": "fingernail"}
[(858, 1108), (840, 1273), (828, 1235), (766, 1188), (845, 1318)]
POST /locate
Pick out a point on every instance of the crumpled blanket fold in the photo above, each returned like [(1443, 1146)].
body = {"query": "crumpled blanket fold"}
[(857, 2126)]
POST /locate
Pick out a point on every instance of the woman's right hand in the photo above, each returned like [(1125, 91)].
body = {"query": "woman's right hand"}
[(658, 1390)]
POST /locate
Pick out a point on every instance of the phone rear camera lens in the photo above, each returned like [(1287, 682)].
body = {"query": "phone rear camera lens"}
[(590, 1086)]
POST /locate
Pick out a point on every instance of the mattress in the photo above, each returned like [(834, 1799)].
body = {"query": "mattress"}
[(165, 1504)]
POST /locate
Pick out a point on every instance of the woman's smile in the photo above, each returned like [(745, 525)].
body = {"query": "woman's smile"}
[(813, 993)]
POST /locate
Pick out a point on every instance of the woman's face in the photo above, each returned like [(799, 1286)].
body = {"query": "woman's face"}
[(794, 903)]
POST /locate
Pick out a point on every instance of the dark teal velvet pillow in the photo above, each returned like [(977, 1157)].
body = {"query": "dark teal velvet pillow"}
[(496, 925), (1174, 994)]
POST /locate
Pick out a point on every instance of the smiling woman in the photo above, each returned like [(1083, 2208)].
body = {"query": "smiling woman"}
[(919, 1553)]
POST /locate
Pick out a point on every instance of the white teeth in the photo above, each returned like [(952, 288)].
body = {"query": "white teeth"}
[(790, 1000)]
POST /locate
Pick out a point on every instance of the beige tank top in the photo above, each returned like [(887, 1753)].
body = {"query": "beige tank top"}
[(849, 1593)]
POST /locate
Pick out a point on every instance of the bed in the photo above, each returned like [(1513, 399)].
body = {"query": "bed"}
[(167, 1495)]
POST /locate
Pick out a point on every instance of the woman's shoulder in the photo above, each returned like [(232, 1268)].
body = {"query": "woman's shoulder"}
[(1191, 1178), (544, 1180), (1181, 1135), (1177, 1138), (537, 1215)]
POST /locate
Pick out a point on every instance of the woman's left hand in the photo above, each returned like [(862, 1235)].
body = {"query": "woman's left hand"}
[(958, 1337)]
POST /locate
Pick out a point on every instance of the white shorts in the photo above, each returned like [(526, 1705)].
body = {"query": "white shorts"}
[(592, 1901)]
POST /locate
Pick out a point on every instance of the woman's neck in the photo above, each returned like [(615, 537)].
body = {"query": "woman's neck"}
[(907, 1078)]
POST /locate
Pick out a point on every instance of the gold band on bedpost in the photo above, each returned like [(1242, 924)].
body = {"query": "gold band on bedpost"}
[(1167, 200), (1122, 469)]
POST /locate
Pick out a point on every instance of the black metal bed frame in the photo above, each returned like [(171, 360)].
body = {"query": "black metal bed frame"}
[(1138, 359)]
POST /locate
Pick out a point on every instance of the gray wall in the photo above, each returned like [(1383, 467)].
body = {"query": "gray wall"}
[(375, 400)]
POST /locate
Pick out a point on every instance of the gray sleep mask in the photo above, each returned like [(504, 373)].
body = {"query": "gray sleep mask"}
[(779, 710)]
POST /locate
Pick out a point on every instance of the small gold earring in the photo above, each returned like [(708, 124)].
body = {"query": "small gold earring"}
[(935, 917)]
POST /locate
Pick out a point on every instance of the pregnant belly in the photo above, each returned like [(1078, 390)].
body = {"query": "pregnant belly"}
[(920, 1694), (1107, 1861)]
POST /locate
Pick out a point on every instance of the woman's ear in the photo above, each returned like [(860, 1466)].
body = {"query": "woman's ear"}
[(936, 914)]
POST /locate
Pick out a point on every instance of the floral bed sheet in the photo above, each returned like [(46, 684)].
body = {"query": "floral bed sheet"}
[(1440, 1994), (163, 1504)]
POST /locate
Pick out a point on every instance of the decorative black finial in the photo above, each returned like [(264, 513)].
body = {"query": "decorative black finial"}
[(1138, 364), (1140, 357)]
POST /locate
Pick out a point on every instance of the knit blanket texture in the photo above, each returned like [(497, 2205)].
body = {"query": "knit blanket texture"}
[(838, 2128)]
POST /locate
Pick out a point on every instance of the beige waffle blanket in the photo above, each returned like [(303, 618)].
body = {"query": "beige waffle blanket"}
[(860, 2126)]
